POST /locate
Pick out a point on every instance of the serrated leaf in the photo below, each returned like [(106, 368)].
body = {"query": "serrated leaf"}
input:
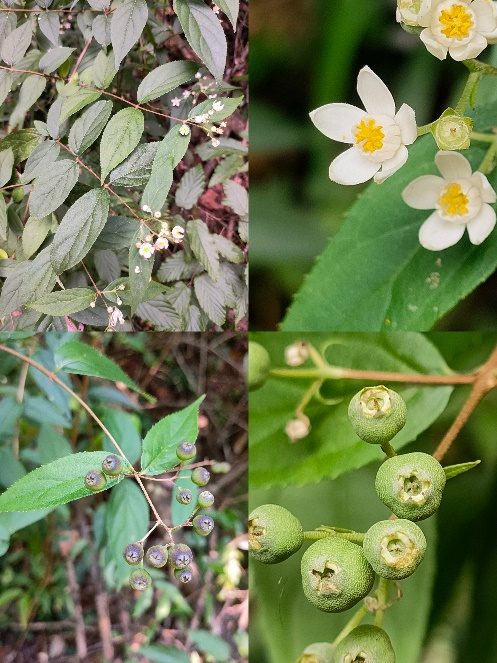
[(122, 426), (204, 33), (100, 5), (31, 91), (203, 246), (89, 126), (52, 445), (53, 116), (5, 84), (118, 233), (210, 644), (39, 278), (35, 233), (121, 135), (101, 30), (161, 441), (53, 186), (195, 319), (180, 297), (52, 60), (229, 105), (107, 265), (104, 69), (226, 169), (10, 297), (160, 313), (80, 98), (165, 78), (136, 169), (236, 198), (231, 8), (17, 43), (140, 271), (64, 302), (126, 26), (190, 188), (6, 165), (211, 298), (228, 249), (176, 267), (227, 146), (3, 222), (8, 22), (42, 156), (78, 230), (22, 142), (82, 359), (50, 26), (57, 483), (452, 471)]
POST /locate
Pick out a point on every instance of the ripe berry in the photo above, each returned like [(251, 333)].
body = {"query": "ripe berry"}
[(335, 574), (180, 556), (205, 499), (95, 480), (203, 525), (274, 534), (318, 652), (377, 414), (201, 476), (140, 579), (133, 553), (259, 365), (184, 496), (156, 556), (112, 465), (367, 644), (394, 548), (411, 485), (184, 575), (186, 450)]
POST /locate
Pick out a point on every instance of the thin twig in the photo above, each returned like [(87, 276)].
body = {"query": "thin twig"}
[(80, 633), (337, 372)]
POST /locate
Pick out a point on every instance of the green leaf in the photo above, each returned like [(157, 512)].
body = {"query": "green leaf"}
[(332, 447), (17, 43), (101, 29), (53, 186), (39, 278), (82, 224), (161, 441), (160, 313), (161, 654), (177, 267), (231, 9), (136, 169), (229, 105), (140, 272), (126, 26), (204, 33), (181, 512), (190, 188), (165, 78), (227, 146), (118, 232), (236, 198), (122, 426), (211, 298), (31, 91), (64, 302), (89, 126), (35, 233), (107, 265), (22, 142), (210, 643), (11, 469), (5, 84), (452, 471), (75, 99), (57, 483), (203, 246), (226, 169), (51, 444), (10, 296), (6, 165), (52, 60), (49, 25), (228, 250), (82, 359), (3, 221), (120, 137), (41, 157), (104, 70)]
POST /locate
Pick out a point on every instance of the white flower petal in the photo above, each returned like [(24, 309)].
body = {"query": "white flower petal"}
[(453, 165), (374, 94), (432, 45), (488, 194), (406, 119), (337, 121), (423, 192), (392, 165), (351, 167), (470, 50), (436, 234), (485, 16), (482, 225)]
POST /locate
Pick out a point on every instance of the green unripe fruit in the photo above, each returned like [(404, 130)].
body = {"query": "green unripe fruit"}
[(394, 548), (186, 450), (156, 556), (95, 480), (411, 485), (180, 556), (205, 499), (259, 365), (335, 574), (112, 465), (365, 644), (203, 525), (140, 579), (274, 534), (200, 476), (133, 553), (377, 414), (183, 575), (184, 496), (17, 194), (318, 652)]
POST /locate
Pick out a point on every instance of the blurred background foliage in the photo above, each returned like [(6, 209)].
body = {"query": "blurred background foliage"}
[(65, 566), (301, 59), (447, 613)]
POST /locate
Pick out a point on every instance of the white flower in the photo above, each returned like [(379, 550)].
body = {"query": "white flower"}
[(146, 208), (146, 250), (184, 130), (460, 199), (137, 269), (176, 101), (215, 142), (378, 135), (115, 317), (296, 354), (186, 93), (161, 243), (198, 75), (411, 12), (157, 215), (178, 233), (462, 28), (218, 105), (201, 119), (119, 301)]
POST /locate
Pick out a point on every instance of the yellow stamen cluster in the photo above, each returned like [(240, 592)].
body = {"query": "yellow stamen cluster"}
[(369, 135), (453, 201), (457, 21)]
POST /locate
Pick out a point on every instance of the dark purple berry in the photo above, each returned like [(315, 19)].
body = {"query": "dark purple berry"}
[(203, 525), (205, 499), (95, 480), (140, 579), (184, 496), (156, 556), (112, 465), (201, 476), (186, 450), (184, 575), (133, 553), (180, 556)]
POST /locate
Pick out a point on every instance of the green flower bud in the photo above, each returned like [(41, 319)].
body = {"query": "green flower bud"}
[(377, 414), (180, 556), (112, 465), (201, 476), (318, 652), (156, 556), (95, 480), (186, 450), (133, 553), (205, 499), (184, 575), (274, 534), (184, 496), (203, 525), (259, 365), (365, 644), (411, 485), (335, 574), (451, 131), (394, 548), (140, 579)]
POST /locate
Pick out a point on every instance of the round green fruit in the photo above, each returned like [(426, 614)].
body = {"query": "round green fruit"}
[(377, 414), (156, 556), (411, 485), (133, 553), (274, 534), (184, 496), (203, 525), (335, 574), (112, 465), (140, 579), (259, 365), (205, 499), (318, 652), (184, 575), (186, 450), (180, 556), (394, 548), (201, 476), (95, 480), (365, 644)]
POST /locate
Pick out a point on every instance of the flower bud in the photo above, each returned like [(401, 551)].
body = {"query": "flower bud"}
[(410, 12), (298, 428), (296, 354), (451, 131), (377, 414)]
